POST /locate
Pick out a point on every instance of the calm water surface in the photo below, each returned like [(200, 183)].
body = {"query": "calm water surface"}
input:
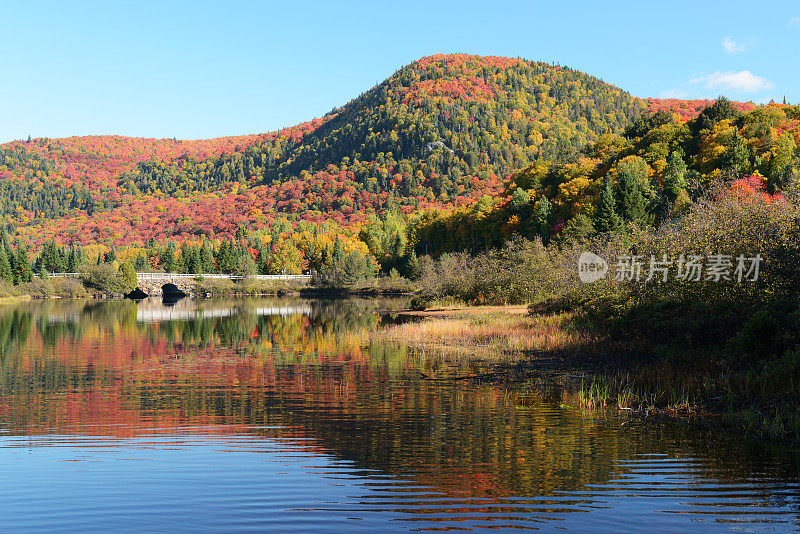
[(278, 415)]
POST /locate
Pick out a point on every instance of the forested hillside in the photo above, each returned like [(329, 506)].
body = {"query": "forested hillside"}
[(442, 131), (651, 173)]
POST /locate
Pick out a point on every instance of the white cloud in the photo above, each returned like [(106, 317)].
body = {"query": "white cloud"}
[(794, 21), (733, 46), (744, 81)]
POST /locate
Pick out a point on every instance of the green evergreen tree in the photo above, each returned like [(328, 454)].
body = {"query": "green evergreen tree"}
[(74, 259), (23, 264), (193, 260), (140, 264), (412, 267), (674, 176), (338, 251), (206, 261), (722, 109), (606, 219), (631, 179), (168, 257), (51, 259), (542, 214), (5, 267), (183, 261), (737, 159), (10, 255)]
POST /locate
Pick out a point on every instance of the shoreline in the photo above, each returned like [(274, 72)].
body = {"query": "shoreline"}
[(467, 310), (640, 379)]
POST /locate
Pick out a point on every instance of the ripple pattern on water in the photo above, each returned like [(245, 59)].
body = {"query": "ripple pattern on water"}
[(228, 419)]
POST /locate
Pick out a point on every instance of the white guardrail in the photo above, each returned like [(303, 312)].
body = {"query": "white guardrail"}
[(184, 276)]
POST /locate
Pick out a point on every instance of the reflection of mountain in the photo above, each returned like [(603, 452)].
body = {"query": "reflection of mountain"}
[(307, 379)]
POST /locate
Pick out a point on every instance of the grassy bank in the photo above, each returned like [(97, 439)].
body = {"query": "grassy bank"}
[(487, 332), (605, 370)]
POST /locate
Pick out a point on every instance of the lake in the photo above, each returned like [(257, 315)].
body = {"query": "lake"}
[(281, 415)]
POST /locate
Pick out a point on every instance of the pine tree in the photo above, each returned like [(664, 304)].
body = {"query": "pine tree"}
[(632, 204), (140, 264), (168, 257), (193, 263), (8, 250), (182, 263), (5, 267), (737, 159), (338, 251), (674, 176), (51, 259), (23, 264), (74, 259), (206, 258), (412, 268), (541, 218), (606, 219)]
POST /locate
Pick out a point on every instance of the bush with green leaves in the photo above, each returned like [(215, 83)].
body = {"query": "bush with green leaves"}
[(107, 279), (520, 272), (67, 288)]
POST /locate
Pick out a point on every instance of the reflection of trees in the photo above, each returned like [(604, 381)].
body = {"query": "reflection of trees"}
[(85, 323), (248, 371), (15, 328)]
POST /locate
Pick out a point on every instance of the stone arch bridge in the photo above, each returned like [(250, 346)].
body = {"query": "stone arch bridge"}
[(151, 283)]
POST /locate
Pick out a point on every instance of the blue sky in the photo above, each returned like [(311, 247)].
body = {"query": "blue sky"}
[(206, 69)]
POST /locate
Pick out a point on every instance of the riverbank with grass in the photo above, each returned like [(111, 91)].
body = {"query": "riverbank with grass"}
[(600, 369)]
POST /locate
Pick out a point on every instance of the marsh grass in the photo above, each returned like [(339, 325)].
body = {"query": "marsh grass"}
[(756, 398), (490, 334), (700, 384)]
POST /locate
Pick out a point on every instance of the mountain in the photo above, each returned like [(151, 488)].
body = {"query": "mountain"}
[(440, 132)]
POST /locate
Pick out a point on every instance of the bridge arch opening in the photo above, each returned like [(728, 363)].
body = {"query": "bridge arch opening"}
[(171, 290)]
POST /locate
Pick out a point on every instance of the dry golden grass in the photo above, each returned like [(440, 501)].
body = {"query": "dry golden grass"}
[(487, 333)]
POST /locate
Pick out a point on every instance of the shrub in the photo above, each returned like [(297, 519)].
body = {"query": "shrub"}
[(7, 289), (216, 287), (109, 280), (522, 271), (54, 287)]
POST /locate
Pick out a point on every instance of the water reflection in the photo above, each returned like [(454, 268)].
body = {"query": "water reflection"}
[(249, 414)]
